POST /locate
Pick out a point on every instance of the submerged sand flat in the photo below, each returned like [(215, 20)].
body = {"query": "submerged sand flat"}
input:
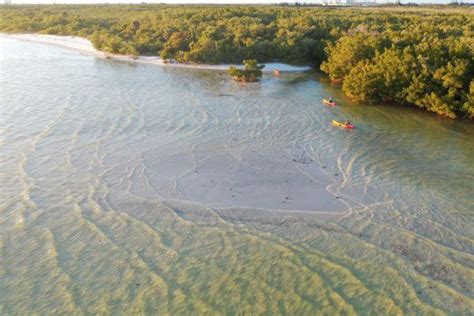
[(84, 46), (130, 189)]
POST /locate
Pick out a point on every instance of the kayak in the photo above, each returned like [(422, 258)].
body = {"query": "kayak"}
[(342, 124), (326, 101)]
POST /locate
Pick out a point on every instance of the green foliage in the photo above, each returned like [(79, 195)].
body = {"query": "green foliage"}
[(420, 56), (468, 106), (176, 46), (195, 34), (112, 44), (348, 51), (429, 64), (251, 73), (364, 83)]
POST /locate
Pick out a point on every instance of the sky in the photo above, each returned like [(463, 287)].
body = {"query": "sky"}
[(209, 1)]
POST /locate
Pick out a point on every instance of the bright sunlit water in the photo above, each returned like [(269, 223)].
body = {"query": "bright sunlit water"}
[(130, 188)]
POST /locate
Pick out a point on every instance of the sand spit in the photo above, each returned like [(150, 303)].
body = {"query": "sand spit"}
[(84, 46)]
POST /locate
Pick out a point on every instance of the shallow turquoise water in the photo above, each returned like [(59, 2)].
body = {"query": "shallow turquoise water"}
[(131, 188)]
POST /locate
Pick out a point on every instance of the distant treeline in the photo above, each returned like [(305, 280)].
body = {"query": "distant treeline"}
[(409, 56)]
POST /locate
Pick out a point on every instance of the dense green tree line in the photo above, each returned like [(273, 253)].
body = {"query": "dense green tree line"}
[(429, 64), (405, 55)]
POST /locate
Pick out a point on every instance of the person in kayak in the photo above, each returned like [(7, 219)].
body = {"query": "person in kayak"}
[(331, 99)]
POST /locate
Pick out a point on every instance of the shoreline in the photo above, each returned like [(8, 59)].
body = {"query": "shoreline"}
[(84, 46)]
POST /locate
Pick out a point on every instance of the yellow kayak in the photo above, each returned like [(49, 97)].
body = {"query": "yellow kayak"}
[(326, 101), (342, 124)]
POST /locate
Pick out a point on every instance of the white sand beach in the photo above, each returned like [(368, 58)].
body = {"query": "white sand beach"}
[(84, 46)]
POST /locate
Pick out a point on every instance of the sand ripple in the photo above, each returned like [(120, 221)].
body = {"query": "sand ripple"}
[(129, 189)]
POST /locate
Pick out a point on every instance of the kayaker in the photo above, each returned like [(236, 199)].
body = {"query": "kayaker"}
[(331, 99)]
